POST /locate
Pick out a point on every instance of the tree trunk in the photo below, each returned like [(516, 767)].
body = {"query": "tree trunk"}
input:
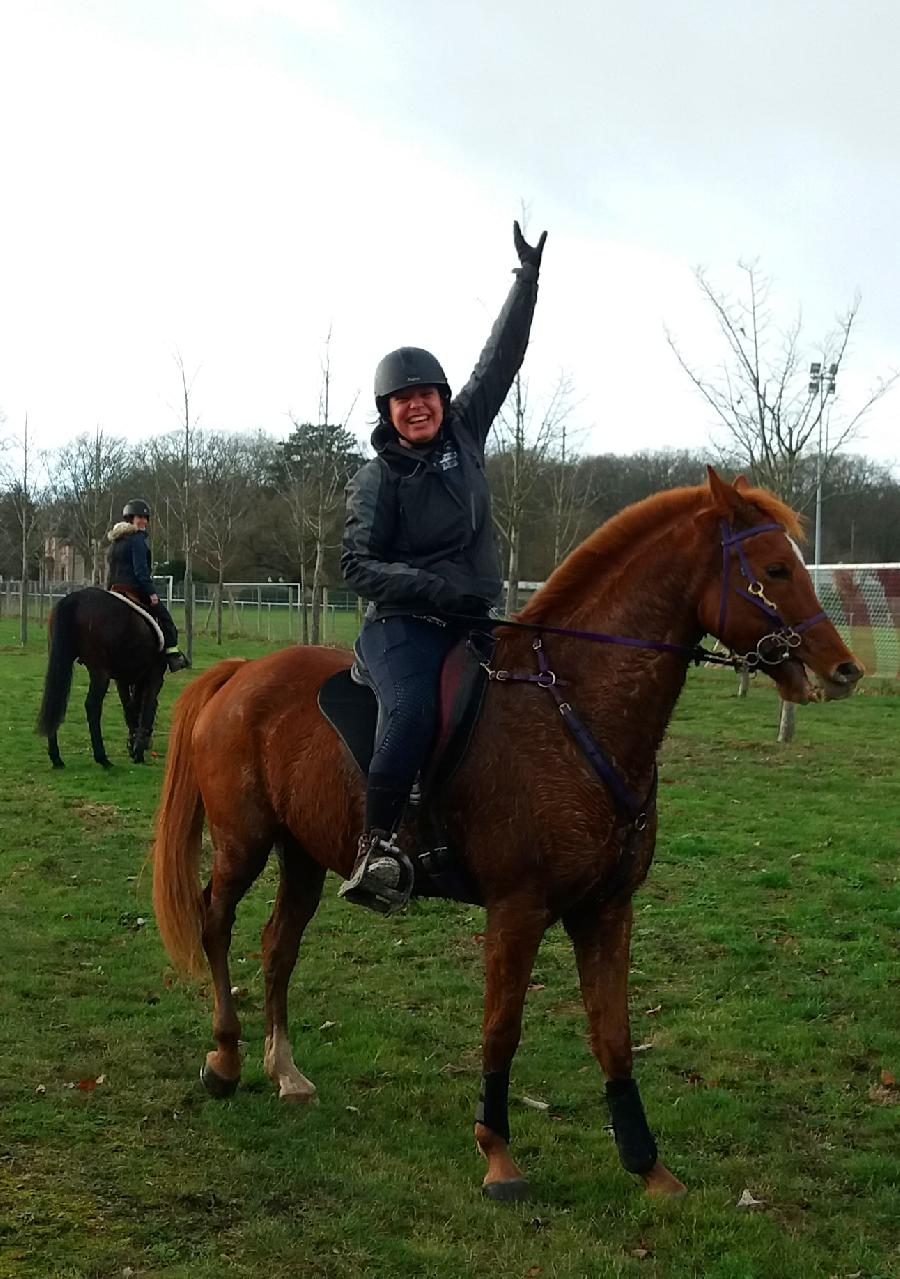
[(23, 598), (512, 570), (220, 586), (188, 645), (316, 636)]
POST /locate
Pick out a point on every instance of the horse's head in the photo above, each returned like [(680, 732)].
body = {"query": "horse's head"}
[(762, 602)]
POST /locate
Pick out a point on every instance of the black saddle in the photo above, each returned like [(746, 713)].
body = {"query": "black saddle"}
[(349, 703)]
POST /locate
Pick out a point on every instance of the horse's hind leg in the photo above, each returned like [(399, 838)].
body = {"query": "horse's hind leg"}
[(295, 904), (93, 705), (53, 751), (235, 867), (514, 931), (602, 948), (146, 698), (129, 708)]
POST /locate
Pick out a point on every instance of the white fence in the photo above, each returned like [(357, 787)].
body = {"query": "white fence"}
[(863, 601)]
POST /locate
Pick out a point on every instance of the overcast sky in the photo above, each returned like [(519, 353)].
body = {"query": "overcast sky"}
[(232, 179)]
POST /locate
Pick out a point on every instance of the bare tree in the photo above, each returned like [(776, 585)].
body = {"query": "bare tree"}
[(318, 460), (781, 427), (85, 476), (524, 447), (769, 420), (171, 460), (228, 476), (18, 477)]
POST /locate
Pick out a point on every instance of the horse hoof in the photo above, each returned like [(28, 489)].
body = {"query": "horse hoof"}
[(57, 763), (217, 1085), (513, 1191), (104, 763), (659, 1181)]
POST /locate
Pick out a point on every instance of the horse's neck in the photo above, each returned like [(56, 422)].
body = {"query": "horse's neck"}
[(625, 694)]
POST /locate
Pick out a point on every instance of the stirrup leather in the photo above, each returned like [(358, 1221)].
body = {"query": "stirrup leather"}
[(382, 878)]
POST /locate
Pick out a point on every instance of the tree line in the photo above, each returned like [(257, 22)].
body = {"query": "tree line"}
[(248, 507), (244, 506)]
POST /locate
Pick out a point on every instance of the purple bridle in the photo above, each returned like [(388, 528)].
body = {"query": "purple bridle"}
[(771, 650), (782, 640)]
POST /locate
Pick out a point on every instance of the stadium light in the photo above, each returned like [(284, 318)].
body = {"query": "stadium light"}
[(822, 382)]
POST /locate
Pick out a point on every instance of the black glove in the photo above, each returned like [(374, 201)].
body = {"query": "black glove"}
[(527, 253), (472, 606)]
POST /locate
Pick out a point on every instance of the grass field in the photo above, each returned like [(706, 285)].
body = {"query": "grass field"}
[(764, 993)]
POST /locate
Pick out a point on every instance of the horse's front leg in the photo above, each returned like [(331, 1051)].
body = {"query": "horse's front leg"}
[(514, 931), (93, 706), (299, 891), (602, 948)]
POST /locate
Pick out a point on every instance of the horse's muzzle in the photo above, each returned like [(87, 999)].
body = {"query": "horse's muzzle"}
[(841, 681)]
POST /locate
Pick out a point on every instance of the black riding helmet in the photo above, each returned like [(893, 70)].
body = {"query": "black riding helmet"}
[(137, 506), (407, 366)]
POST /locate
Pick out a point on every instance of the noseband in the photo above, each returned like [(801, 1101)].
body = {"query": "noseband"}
[(775, 647)]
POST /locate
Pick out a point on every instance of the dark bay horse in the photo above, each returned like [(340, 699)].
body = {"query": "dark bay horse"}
[(544, 839), (114, 642)]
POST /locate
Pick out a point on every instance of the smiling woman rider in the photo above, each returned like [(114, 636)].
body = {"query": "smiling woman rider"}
[(419, 546)]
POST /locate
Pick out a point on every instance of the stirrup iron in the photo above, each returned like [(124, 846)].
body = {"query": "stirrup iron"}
[(382, 878)]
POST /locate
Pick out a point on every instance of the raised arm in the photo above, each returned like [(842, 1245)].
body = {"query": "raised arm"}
[(480, 400)]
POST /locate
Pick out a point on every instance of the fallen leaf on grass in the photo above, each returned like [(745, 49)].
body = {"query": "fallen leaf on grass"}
[(353, 1110), (532, 1271), (41, 1089), (89, 1084), (641, 1048), (326, 1025), (651, 1012), (533, 1104), (888, 1079), (537, 985), (748, 1202), (640, 1253)]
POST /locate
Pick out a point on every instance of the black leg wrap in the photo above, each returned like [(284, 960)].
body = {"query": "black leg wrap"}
[(492, 1109), (634, 1140)]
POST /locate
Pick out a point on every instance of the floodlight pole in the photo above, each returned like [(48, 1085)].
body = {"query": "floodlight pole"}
[(821, 383)]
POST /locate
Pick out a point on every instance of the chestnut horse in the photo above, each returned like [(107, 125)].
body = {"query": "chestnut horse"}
[(543, 838)]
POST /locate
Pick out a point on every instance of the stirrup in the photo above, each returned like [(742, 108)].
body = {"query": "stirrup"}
[(382, 878)]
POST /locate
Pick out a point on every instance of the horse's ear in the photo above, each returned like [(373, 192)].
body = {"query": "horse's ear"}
[(741, 484), (725, 496)]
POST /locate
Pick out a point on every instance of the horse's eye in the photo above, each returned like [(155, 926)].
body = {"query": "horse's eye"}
[(777, 570)]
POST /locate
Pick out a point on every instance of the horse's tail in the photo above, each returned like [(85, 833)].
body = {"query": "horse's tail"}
[(177, 899), (61, 659)]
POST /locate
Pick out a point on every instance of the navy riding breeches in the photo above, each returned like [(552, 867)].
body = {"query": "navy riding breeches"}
[(403, 657)]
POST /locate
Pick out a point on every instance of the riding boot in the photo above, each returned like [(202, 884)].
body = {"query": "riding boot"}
[(176, 660), (382, 876)]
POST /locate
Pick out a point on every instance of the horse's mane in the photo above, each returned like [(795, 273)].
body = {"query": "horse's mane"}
[(615, 541)]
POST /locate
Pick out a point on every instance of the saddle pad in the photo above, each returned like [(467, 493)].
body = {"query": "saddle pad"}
[(351, 709), (148, 617)]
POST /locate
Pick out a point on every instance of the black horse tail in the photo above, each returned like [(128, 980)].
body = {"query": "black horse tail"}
[(58, 680)]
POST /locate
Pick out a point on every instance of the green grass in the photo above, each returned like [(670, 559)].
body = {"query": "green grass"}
[(765, 978)]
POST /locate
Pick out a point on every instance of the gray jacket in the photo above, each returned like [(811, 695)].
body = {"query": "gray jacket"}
[(419, 536)]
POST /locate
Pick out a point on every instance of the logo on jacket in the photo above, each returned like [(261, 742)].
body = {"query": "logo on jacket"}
[(449, 458)]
